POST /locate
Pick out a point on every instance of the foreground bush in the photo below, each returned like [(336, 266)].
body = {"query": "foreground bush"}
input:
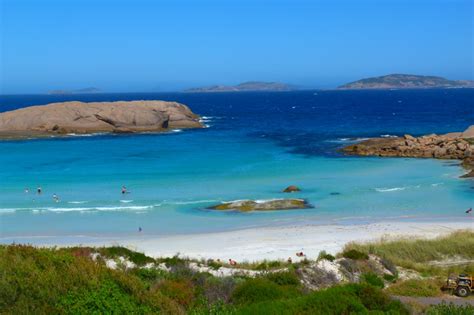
[(346, 299), (68, 281)]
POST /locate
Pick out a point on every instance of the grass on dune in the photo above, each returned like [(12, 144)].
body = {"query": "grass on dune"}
[(416, 253)]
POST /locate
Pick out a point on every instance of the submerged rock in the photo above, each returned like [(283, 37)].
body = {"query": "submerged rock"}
[(291, 189), (263, 205), (468, 175), (83, 118)]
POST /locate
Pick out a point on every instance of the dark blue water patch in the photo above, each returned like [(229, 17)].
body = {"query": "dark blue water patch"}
[(310, 143), (308, 123)]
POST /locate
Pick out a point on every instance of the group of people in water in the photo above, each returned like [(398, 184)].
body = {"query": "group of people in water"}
[(55, 197), (39, 191)]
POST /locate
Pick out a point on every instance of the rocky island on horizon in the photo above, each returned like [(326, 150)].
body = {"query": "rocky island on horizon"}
[(88, 90), (95, 117), (251, 86), (406, 81)]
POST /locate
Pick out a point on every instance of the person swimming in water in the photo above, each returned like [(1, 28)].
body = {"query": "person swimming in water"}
[(55, 198), (39, 190), (140, 229), (469, 210), (124, 190)]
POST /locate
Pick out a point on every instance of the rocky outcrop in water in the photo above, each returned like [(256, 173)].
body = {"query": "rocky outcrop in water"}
[(83, 118), (291, 189), (263, 205), (458, 146)]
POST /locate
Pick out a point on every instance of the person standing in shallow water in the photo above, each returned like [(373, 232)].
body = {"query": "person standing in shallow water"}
[(124, 190), (39, 190)]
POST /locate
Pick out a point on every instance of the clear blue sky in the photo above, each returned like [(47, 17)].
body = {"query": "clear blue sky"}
[(157, 45)]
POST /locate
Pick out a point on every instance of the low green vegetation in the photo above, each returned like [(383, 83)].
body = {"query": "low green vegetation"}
[(325, 256), (355, 254), (450, 309), (418, 254), (77, 281), (372, 279), (416, 287)]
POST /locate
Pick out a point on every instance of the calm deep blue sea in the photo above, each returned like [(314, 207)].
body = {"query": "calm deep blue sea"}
[(255, 145)]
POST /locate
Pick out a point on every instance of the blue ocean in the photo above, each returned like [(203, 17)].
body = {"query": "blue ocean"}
[(254, 146)]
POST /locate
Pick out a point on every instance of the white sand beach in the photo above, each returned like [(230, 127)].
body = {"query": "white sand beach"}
[(279, 242)]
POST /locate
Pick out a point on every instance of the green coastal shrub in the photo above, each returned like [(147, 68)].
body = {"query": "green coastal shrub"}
[(355, 255), (372, 279), (107, 298), (137, 258), (283, 278), (257, 290), (325, 256), (181, 291), (348, 299), (450, 309)]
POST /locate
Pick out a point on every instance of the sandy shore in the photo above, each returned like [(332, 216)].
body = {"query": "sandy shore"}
[(269, 243)]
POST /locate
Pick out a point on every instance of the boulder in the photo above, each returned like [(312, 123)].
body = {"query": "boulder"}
[(83, 118), (291, 189), (262, 205), (450, 146), (468, 133), (468, 175)]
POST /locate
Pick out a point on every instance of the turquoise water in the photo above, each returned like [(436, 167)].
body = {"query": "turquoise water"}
[(174, 177)]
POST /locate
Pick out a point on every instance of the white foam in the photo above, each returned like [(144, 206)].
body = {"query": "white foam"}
[(126, 201), (72, 209), (388, 136), (77, 202), (390, 189), (191, 202)]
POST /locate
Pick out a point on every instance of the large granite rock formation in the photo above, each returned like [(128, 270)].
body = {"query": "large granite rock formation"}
[(458, 146), (263, 205), (83, 118)]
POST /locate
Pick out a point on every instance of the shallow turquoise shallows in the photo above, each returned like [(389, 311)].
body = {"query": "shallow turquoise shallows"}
[(172, 178)]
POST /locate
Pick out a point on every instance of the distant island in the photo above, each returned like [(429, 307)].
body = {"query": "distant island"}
[(244, 87), (89, 90), (406, 81)]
